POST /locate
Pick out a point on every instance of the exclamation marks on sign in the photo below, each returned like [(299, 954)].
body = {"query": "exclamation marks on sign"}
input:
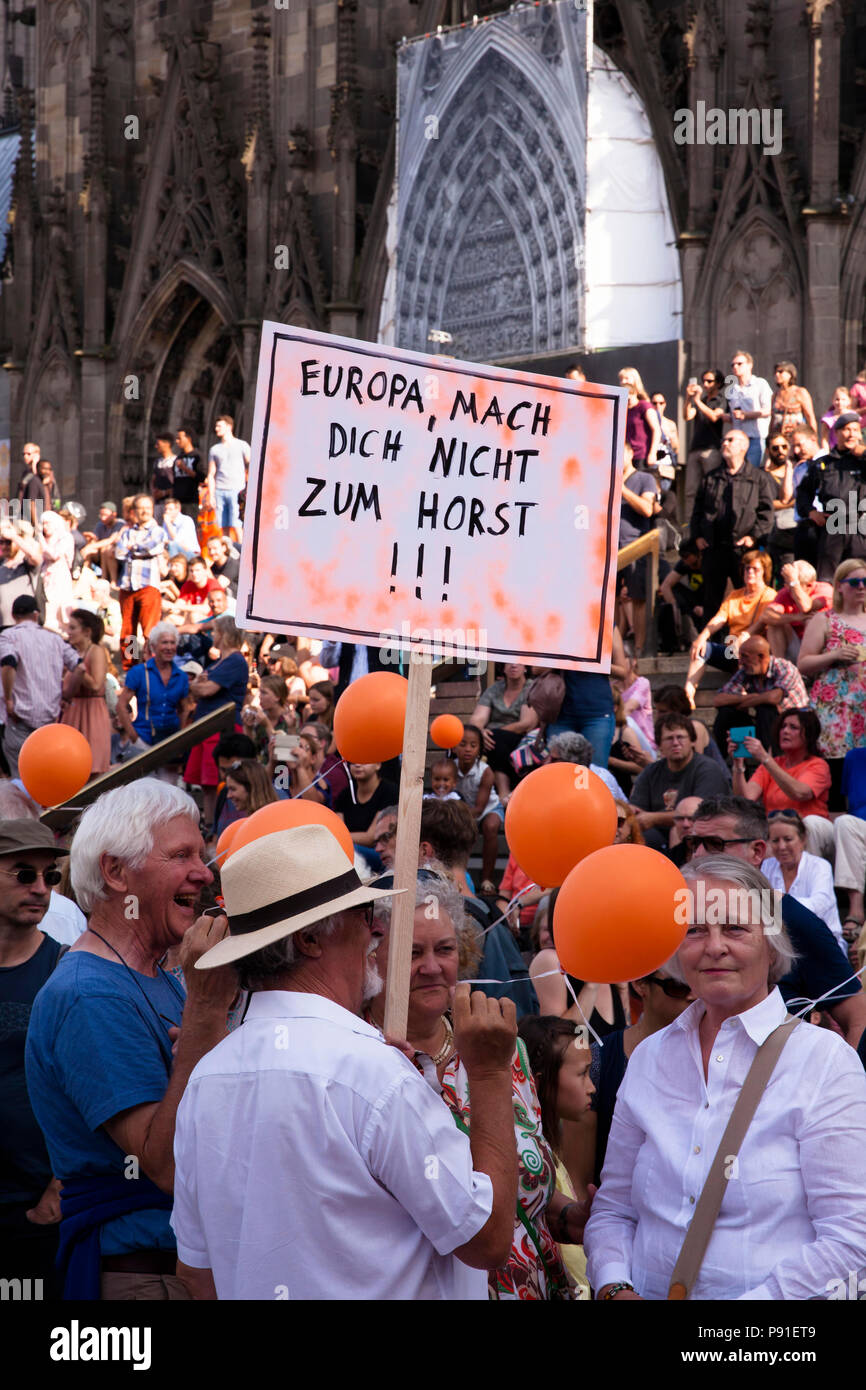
[(446, 574), (393, 588), (419, 571)]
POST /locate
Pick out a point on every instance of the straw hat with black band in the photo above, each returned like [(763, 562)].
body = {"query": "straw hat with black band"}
[(281, 883)]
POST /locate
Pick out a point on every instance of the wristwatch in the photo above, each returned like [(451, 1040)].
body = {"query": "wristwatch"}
[(617, 1288)]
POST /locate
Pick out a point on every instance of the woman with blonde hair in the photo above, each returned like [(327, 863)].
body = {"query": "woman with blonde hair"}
[(833, 653), (643, 431), (58, 552)]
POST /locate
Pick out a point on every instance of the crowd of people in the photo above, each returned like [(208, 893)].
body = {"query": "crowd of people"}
[(243, 1128)]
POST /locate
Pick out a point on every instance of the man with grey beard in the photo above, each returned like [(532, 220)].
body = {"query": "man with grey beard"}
[(312, 1160)]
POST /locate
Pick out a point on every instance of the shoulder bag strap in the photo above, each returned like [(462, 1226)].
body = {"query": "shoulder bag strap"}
[(149, 715), (698, 1235)]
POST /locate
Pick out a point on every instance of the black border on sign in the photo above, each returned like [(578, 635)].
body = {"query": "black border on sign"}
[(375, 350)]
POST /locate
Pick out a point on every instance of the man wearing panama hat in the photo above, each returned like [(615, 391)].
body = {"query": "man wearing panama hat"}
[(311, 1158)]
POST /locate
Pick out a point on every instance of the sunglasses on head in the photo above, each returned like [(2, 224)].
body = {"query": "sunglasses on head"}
[(715, 844), (855, 583), (674, 989), (26, 875), (786, 812)]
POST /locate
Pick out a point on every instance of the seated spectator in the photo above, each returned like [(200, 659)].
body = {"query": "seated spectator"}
[(178, 573), (225, 681), (679, 772), (515, 881), (109, 1004), (603, 1006), (199, 585), (638, 699), (741, 613), (628, 757), (99, 543), (683, 826), (443, 781), (504, 716), (672, 699), (248, 789), (794, 776), (791, 869), (385, 835), (230, 748), (359, 811), (331, 765), (763, 687), (628, 831), (476, 788), (299, 773), (574, 748), (802, 597), (224, 563), (180, 529), (731, 825), (270, 716), (320, 703), (679, 601)]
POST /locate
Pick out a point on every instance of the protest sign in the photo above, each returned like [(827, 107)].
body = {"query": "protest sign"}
[(412, 502)]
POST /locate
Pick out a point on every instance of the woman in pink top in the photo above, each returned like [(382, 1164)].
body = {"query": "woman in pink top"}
[(840, 403)]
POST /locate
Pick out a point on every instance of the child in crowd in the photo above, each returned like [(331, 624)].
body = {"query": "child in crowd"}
[(443, 782), (637, 699), (475, 785)]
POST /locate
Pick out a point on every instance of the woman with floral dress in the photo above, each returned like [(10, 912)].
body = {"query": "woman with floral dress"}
[(833, 652), (535, 1270)]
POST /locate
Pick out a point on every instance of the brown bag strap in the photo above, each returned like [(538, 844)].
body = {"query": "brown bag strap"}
[(697, 1239)]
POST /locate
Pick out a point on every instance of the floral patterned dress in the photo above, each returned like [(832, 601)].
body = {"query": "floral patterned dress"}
[(535, 1269), (839, 695)]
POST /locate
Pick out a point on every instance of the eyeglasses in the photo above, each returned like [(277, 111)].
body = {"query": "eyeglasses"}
[(674, 989), (385, 837), (855, 583), (786, 812), (367, 910), (28, 876), (715, 844)]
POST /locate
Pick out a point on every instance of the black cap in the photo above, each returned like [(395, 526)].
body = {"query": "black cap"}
[(848, 417), (23, 604)]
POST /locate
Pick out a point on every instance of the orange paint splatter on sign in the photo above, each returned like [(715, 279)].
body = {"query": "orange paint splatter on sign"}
[(570, 471)]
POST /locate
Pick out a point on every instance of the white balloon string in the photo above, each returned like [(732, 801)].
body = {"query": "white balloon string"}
[(513, 903), (543, 976), (813, 1003)]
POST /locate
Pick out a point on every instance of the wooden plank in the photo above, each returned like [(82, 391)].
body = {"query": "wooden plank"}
[(406, 849), (57, 817)]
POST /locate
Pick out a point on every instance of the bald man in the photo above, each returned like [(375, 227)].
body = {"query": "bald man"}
[(761, 689)]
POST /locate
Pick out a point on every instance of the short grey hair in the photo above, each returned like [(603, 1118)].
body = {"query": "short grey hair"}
[(227, 627), (281, 956), (807, 572), (122, 823), (437, 886), (163, 629), (745, 877), (572, 748)]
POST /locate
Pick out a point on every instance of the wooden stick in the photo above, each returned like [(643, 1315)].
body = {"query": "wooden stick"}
[(406, 850)]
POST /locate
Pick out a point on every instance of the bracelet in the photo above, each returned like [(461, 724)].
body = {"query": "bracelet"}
[(617, 1288)]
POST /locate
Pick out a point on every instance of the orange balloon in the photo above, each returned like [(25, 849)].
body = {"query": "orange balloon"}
[(555, 817), (285, 815), (620, 914), (446, 731), (54, 763), (369, 718), (224, 843)]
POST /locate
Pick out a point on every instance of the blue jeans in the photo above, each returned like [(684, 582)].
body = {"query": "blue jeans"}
[(228, 513), (755, 452), (599, 729)]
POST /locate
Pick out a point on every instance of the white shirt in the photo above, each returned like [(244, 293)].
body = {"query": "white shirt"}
[(793, 1217), (64, 921), (756, 395), (813, 887), (312, 1161)]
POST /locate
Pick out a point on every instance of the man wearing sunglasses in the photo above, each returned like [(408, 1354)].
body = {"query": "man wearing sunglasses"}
[(734, 825), (29, 1199)]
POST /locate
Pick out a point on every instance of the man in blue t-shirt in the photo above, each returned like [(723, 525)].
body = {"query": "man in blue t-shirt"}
[(103, 1081)]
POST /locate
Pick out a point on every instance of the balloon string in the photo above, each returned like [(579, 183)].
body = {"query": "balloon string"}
[(512, 904), (813, 1003), (323, 777), (543, 976), (570, 987)]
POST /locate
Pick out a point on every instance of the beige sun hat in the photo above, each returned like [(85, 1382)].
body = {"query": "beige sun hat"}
[(281, 883)]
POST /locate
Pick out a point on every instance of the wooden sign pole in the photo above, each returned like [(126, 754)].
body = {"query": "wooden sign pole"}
[(406, 850)]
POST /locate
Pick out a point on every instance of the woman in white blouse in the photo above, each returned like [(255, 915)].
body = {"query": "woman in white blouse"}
[(791, 869), (792, 1223)]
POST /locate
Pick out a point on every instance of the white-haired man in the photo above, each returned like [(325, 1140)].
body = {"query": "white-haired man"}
[(102, 1079), (312, 1160)]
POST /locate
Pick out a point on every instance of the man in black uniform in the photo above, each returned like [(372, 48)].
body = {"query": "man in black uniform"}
[(838, 482), (733, 512)]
